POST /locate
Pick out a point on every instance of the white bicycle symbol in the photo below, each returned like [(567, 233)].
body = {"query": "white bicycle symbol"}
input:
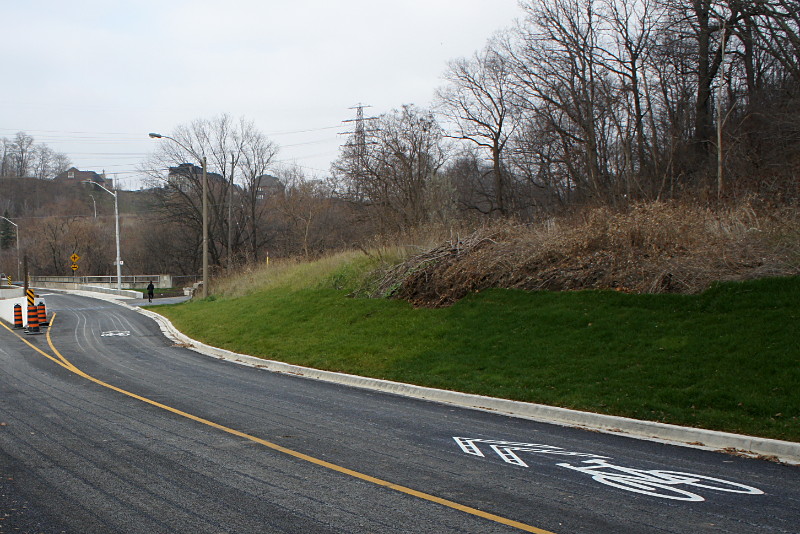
[(657, 482)]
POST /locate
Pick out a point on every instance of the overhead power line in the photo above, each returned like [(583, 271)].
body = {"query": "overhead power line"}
[(133, 136)]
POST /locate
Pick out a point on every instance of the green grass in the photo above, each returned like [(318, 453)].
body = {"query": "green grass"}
[(728, 359), (166, 291)]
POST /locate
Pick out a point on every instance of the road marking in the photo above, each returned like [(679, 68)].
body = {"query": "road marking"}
[(505, 449), (658, 482), (655, 482), (66, 365), (62, 361), (111, 333)]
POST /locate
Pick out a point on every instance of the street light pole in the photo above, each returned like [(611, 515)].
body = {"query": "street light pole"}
[(116, 226), (204, 292), (205, 229), (17, 227)]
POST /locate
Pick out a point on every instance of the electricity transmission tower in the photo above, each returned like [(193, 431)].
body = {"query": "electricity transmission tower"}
[(358, 143)]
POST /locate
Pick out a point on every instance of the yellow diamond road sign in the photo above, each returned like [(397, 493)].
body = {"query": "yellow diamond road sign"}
[(74, 258), (74, 266)]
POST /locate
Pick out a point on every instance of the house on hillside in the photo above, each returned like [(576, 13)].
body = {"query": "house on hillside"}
[(182, 176), (74, 175), (269, 186)]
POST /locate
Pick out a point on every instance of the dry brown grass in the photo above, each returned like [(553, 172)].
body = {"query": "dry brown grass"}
[(292, 273), (649, 248)]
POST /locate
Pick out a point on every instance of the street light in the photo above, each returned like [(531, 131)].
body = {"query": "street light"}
[(17, 227), (116, 221), (205, 208)]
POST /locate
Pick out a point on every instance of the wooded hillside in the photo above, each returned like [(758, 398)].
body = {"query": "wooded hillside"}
[(583, 108)]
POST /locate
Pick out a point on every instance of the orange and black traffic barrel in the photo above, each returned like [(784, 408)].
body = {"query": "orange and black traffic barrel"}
[(33, 320), (17, 316), (42, 314)]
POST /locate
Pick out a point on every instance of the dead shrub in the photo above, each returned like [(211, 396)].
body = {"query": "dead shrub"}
[(655, 247)]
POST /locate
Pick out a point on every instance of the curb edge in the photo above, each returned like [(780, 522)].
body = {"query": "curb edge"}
[(785, 451)]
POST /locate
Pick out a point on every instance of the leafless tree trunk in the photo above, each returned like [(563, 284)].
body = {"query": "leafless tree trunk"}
[(404, 152), (230, 147), (257, 158), (478, 100), (564, 85)]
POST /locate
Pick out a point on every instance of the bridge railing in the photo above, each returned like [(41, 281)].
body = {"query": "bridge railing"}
[(138, 281)]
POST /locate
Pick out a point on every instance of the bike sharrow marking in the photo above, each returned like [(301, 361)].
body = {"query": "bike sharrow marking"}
[(64, 362)]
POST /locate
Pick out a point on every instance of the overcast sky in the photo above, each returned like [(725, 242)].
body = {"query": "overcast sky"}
[(92, 78)]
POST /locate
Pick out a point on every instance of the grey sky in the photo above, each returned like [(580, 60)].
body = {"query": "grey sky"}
[(92, 78)]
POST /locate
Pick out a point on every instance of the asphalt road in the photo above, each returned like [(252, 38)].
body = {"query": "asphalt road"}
[(106, 427)]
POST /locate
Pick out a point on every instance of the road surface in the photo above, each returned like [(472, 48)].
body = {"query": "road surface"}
[(107, 427)]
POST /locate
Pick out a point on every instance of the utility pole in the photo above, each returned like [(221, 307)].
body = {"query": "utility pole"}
[(230, 214), (116, 227), (25, 273), (203, 162), (205, 228), (720, 170), (114, 194)]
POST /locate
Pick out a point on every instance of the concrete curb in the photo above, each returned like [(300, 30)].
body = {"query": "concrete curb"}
[(784, 451)]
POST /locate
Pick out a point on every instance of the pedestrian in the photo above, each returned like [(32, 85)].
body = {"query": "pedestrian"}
[(150, 289)]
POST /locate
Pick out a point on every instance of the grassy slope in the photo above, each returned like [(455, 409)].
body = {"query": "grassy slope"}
[(728, 359)]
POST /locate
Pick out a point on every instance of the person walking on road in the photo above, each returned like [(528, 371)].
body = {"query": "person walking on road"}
[(150, 289)]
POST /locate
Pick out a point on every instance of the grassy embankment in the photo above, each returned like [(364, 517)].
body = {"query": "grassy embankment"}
[(727, 359)]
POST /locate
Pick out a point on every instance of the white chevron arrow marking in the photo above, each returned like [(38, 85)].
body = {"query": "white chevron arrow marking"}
[(506, 449)]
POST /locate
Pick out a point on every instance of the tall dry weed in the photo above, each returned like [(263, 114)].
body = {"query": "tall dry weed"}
[(651, 247)]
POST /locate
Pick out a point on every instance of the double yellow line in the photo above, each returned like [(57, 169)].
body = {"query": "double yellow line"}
[(59, 359)]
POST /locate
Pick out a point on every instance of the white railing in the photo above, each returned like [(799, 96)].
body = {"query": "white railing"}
[(138, 281)]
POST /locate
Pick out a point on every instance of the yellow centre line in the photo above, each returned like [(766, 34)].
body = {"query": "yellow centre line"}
[(62, 361)]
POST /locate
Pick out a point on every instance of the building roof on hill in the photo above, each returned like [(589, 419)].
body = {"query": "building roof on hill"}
[(269, 185), (77, 175), (186, 170), (267, 180)]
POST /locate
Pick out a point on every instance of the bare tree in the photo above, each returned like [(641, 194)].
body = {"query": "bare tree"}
[(231, 148), (402, 155), (631, 27), (303, 204), (22, 157), (258, 154), (54, 239), (58, 163), (702, 23), (778, 29), (479, 101), (5, 154), (42, 164), (22, 152), (565, 88)]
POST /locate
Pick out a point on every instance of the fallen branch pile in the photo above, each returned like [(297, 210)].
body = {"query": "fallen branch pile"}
[(651, 248)]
